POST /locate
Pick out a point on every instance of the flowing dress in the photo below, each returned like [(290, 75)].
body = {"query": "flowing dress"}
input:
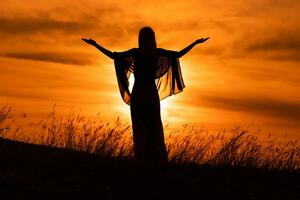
[(155, 78)]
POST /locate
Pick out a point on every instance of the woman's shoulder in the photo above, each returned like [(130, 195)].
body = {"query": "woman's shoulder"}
[(166, 52), (128, 53), (131, 51), (161, 50)]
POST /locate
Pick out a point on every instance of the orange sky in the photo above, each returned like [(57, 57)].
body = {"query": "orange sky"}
[(247, 72)]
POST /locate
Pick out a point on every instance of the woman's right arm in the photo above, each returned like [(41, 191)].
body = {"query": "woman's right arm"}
[(100, 48), (189, 47)]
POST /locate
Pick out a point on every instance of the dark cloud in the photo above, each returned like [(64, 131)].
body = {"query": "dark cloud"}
[(285, 41), (279, 45), (19, 26), (43, 28), (64, 58), (58, 19), (263, 107)]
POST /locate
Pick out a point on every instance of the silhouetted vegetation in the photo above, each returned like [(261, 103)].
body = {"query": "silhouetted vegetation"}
[(236, 147), (74, 157)]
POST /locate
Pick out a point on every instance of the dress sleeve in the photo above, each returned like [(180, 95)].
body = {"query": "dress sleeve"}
[(168, 76), (124, 62), (169, 80)]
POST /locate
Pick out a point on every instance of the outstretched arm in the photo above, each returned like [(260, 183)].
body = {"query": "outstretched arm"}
[(100, 48), (188, 48)]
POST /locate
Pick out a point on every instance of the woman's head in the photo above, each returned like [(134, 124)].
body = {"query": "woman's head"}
[(147, 42)]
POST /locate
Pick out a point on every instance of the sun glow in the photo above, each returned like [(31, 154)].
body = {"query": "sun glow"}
[(229, 79)]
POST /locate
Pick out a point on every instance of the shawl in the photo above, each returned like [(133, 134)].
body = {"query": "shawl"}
[(168, 76)]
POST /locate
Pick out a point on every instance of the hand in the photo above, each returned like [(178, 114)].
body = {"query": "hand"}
[(89, 41), (201, 40)]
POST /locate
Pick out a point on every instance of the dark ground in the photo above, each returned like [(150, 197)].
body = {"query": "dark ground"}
[(50, 173)]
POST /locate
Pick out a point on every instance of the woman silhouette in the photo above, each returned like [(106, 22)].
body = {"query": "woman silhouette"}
[(157, 75)]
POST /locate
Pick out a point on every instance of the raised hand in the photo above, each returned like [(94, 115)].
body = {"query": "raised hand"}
[(202, 40), (99, 47), (89, 41), (188, 48)]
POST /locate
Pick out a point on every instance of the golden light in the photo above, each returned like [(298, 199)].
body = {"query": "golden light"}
[(241, 73)]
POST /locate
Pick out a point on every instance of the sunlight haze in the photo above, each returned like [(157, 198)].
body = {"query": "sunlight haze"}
[(248, 71)]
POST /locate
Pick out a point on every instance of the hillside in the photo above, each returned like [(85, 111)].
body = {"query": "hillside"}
[(42, 172)]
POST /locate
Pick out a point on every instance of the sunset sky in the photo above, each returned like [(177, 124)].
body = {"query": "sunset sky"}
[(249, 70)]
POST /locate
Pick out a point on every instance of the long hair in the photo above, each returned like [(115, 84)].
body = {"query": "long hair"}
[(147, 42)]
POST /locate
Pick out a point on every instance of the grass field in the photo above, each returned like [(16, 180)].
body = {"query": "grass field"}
[(72, 157), (236, 147)]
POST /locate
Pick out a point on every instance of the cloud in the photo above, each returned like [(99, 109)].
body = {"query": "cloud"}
[(255, 106), (261, 106), (106, 26), (280, 41), (283, 41), (73, 58), (25, 95), (19, 26), (278, 45), (56, 16)]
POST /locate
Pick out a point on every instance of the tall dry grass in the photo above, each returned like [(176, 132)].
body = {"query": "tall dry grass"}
[(236, 147)]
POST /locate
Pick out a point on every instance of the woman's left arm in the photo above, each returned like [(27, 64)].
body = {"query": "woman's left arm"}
[(189, 47), (106, 52)]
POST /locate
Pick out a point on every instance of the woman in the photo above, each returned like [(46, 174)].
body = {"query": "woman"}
[(157, 75)]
